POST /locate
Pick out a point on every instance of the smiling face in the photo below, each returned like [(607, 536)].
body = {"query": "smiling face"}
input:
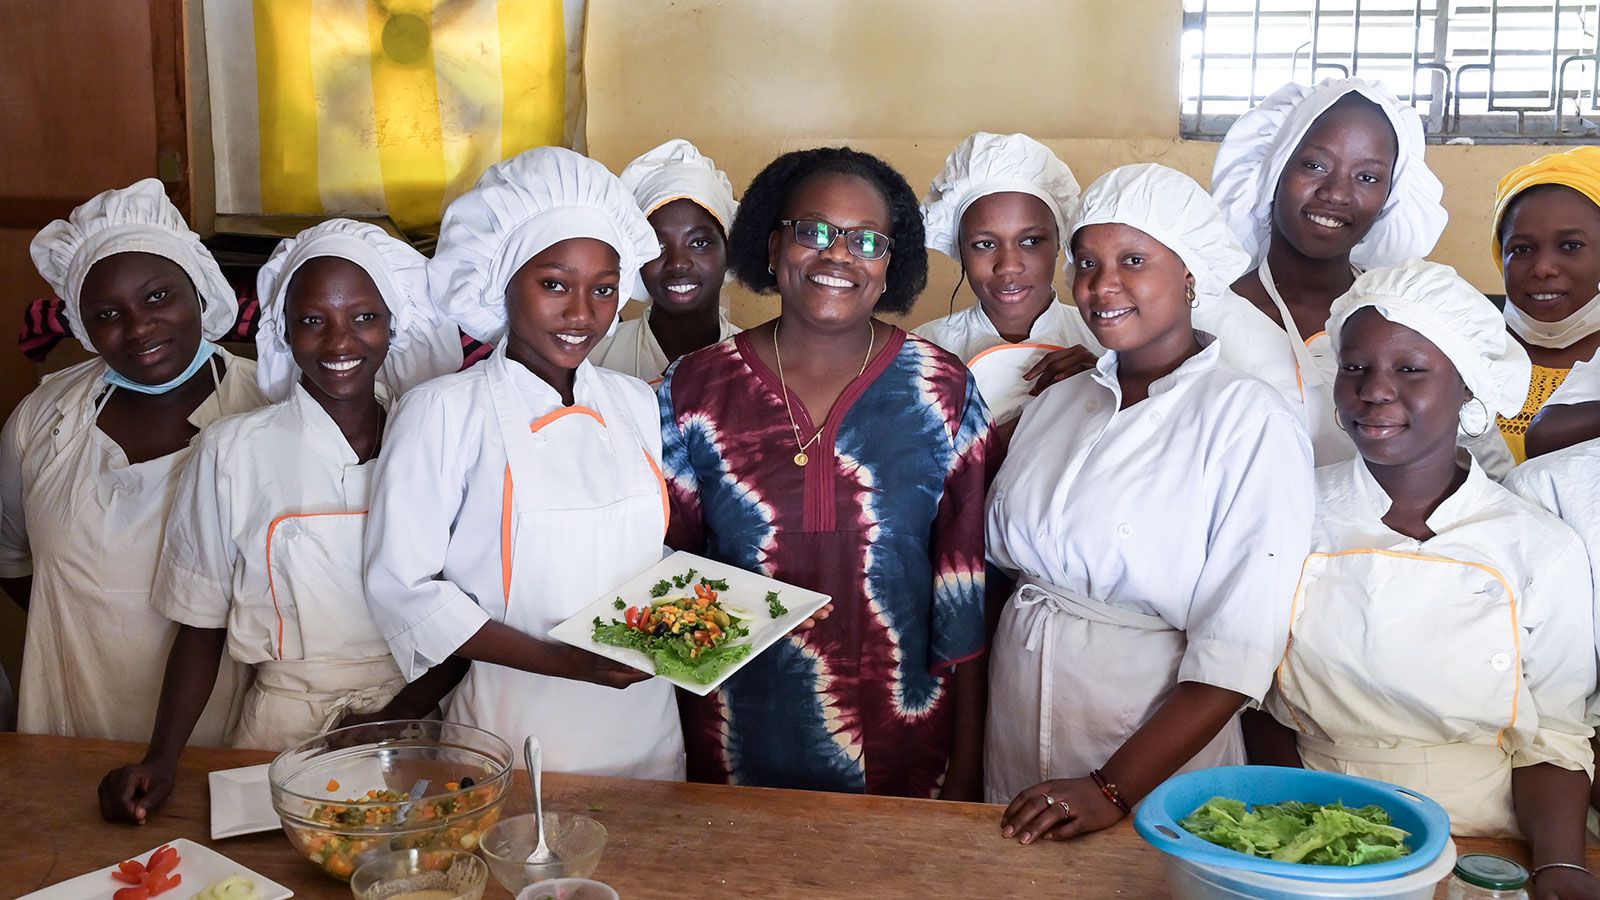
[(830, 290), (1397, 395), (560, 304), (1130, 288), (142, 315), (1551, 252), (1334, 185), (1008, 250), (687, 276), (337, 327)]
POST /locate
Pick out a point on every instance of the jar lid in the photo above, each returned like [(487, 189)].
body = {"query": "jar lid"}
[(1493, 872)]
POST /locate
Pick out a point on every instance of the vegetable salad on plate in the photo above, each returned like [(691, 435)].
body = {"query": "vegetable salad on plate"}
[(685, 628)]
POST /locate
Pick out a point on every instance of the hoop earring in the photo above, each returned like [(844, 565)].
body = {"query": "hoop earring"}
[(1487, 419), (771, 270), (1189, 296)]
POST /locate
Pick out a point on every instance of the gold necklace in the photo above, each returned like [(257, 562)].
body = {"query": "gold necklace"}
[(800, 457)]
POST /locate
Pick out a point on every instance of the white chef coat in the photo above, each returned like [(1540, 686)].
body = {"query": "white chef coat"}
[(968, 332), (1156, 544), (87, 525), (494, 501), (1442, 664), (633, 349), (1303, 372), (1564, 483), (265, 540)]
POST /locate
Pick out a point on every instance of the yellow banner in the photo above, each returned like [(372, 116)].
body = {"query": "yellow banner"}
[(401, 103)]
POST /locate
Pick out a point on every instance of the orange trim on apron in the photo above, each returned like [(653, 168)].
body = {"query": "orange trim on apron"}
[(1511, 601), (509, 491), (272, 588)]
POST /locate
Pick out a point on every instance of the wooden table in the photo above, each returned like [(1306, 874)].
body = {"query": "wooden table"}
[(772, 844)]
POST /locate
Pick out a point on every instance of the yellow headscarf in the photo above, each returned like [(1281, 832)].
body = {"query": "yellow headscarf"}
[(1578, 168)]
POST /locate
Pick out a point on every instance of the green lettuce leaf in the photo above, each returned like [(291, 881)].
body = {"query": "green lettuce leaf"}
[(1331, 835)]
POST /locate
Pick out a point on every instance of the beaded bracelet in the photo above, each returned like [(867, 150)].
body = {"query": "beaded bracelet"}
[(1110, 791)]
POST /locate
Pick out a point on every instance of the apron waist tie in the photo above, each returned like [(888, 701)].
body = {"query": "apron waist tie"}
[(1486, 755), (1058, 601), (299, 680), (1032, 592)]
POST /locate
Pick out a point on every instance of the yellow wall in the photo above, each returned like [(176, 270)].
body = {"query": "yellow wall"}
[(1097, 80)]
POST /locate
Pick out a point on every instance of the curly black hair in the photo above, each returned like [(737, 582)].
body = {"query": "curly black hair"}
[(765, 198)]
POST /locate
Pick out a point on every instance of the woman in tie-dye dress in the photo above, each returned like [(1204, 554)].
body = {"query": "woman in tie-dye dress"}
[(875, 499)]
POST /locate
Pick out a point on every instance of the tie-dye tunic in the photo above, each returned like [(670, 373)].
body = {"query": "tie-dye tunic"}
[(886, 517)]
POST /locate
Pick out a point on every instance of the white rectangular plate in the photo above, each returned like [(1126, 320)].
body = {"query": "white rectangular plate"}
[(746, 593), (241, 802), (200, 866)]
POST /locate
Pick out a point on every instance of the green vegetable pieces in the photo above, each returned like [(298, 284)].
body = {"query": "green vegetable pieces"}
[(1331, 835)]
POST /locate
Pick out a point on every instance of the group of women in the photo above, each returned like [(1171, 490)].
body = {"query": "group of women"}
[(1129, 566)]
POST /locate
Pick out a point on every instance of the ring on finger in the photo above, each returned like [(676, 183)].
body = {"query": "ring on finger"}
[(1066, 811), (1049, 801)]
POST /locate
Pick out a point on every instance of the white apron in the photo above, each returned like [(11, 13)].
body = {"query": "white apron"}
[(1369, 698), (585, 509), (314, 573), (1089, 676), (96, 649), (1315, 361)]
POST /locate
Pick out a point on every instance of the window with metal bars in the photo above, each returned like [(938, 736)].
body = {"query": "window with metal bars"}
[(1494, 72)]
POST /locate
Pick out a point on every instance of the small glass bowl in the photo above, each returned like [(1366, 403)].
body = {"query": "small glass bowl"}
[(569, 889), (578, 840), (461, 874)]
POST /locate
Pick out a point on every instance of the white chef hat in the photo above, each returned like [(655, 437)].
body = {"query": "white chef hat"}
[(518, 208), (401, 276), (1172, 208), (987, 164), (677, 170), (135, 219), (1432, 300), (1258, 146)]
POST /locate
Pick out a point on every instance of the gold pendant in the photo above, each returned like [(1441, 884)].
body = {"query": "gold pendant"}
[(800, 459)]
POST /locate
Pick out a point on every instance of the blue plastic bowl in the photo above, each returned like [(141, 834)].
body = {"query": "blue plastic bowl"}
[(1158, 816)]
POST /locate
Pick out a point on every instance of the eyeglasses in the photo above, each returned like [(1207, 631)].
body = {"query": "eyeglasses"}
[(863, 243)]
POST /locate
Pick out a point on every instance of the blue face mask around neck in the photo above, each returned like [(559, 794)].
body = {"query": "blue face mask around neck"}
[(201, 355)]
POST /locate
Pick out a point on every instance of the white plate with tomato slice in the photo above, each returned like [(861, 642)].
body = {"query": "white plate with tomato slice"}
[(745, 595), (198, 867)]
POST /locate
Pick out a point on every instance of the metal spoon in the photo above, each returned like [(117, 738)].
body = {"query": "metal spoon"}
[(533, 754)]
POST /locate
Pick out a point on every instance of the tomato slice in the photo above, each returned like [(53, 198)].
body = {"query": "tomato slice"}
[(160, 883), (162, 861), (132, 893), (126, 878), (132, 868)]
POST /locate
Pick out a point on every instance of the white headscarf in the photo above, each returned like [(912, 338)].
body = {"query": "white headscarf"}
[(135, 219), (987, 164), (1172, 208), (401, 276), (517, 209), (1258, 146), (677, 170), (1432, 300)]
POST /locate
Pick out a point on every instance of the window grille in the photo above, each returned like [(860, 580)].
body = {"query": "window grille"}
[(1487, 70)]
